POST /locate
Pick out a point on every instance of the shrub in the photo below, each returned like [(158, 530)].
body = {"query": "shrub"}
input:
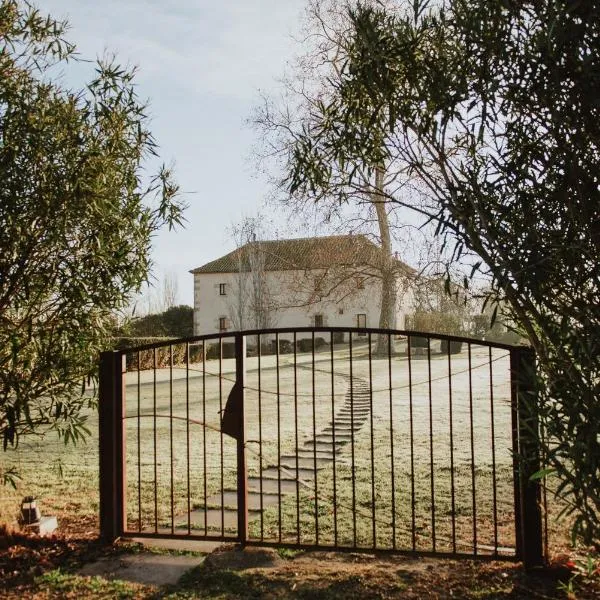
[(304, 345), (339, 337), (212, 351), (435, 322), (320, 343), (451, 347), (177, 322), (146, 357), (417, 341)]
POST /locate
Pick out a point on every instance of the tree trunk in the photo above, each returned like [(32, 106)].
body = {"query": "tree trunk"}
[(238, 300), (387, 314)]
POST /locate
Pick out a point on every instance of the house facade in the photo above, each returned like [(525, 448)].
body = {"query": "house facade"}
[(331, 281)]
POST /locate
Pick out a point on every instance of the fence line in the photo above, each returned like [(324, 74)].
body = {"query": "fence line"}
[(328, 465)]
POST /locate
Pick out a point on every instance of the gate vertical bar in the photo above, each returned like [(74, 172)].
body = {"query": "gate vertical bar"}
[(528, 496), (242, 472), (111, 446), (515, 455)]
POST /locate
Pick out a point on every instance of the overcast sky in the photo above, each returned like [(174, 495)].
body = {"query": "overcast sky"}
[(201, 65)]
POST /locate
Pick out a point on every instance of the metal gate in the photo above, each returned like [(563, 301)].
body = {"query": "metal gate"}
[(324, 438)]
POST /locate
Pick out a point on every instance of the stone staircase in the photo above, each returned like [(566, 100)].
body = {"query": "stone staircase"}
[(297, 470)]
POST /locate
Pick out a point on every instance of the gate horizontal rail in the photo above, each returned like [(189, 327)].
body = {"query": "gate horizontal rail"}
[(354, 439)]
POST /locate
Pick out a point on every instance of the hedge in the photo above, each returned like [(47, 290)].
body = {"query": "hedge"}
[(163, 354)]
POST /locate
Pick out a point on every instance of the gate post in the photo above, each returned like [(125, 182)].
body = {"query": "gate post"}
[(526, 445), (242, 472), (110, 426)]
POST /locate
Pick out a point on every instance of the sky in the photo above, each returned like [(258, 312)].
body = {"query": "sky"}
[(201, 66)]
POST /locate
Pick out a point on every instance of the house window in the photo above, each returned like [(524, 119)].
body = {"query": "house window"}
[(223, 323), (361, 322), (222, 290), (340, 311), (318, 320)]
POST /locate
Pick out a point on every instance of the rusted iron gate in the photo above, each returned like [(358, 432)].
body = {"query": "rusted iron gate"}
[(348, 439)]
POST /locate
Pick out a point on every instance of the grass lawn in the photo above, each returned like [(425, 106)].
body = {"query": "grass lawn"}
[(379, 499), (449, 461), (412, 422)]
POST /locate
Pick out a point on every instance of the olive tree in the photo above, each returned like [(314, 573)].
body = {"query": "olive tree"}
[(77, 215), (493, 106)]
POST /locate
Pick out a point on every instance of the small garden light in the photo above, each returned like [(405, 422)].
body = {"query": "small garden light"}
[(31, 518), (30, 513)]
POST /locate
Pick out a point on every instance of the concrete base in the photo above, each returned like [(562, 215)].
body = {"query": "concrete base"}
[(201, 546), (147, 569), (45, 526)]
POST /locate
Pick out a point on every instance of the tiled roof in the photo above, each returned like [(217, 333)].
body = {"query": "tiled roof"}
[(303, 254)]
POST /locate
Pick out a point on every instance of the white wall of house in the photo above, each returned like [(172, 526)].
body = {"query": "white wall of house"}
[(297, 305)]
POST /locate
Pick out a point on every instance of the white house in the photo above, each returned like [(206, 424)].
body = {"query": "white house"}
[(322, 281)]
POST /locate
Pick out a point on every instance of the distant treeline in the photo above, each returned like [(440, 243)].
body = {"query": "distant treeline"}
[(175, 322)]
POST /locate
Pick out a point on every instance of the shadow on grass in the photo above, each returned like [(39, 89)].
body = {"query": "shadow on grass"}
[(206, 582), (316, 582), (31, 566)]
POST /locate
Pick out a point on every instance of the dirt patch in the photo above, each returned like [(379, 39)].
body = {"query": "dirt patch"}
[(40, 568), (321, 575), (233, 559), (24, 557)]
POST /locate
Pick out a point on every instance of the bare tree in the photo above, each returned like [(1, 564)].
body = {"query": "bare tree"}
[(251, 304), (261, 301), (238, 301), (366, 205), (156, 297), (169, 291)]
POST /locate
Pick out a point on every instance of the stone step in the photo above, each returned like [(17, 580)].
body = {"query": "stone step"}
[(355, 422), (230, 499), (272, 485), (341, 428), (347, 415), (305, 462), (213, 519), (340, 438), (355, 409), (323, 454), (358, 425), (347, 407), (289, 474), (350, 420), (324, 445)]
